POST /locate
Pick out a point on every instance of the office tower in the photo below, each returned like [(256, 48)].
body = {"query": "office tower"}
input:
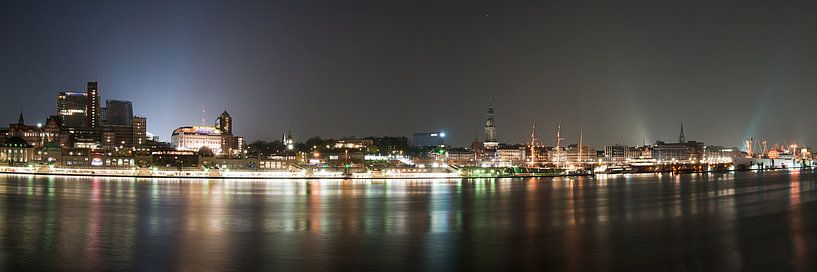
[(119, 113), (71, 108), (92, 105)]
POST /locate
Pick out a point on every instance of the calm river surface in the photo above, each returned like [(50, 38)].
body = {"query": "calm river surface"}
[(639, 222)]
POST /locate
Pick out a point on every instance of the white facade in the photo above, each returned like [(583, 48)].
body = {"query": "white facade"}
[(194, 138), (512, 155)]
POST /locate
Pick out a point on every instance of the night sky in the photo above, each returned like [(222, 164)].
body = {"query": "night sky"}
[(621, 71)]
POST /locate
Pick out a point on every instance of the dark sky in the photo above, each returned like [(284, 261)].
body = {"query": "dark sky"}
[(622, 71)]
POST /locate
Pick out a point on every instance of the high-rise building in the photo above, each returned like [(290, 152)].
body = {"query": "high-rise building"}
[(140, 135), (490, 129), (119, 113), (103, 116), (231, 145), (92, 117), (71, 108), (224, 123)]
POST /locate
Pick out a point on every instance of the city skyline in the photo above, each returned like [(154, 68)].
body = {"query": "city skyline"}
[(489, 126), (424, 135), (629, 73)]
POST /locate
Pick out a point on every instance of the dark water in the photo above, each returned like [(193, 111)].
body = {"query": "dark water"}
[(650, 222)]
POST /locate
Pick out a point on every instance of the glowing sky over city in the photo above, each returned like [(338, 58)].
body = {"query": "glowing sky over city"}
[(622, 71)]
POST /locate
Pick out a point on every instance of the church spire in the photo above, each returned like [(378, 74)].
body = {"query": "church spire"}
[(490, 128), (681, 137), (21, 121)]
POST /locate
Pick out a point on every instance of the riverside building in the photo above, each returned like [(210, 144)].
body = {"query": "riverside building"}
[(194, 138), (219, 138)]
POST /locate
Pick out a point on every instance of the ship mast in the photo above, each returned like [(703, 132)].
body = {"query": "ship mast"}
[(559, 143), (581, 140), (533, 143)]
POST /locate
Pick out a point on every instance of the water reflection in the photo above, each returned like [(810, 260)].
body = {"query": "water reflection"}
[(634, 222)]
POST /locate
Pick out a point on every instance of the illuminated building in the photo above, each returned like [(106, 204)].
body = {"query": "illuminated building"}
[(683, 150), (462, 158), (92, 113), (639, 152), (175, 158), (265, 164), (620, 153), (52, 129), (337, 157), (194, 138), (288, 141), (80, 137), (86, 142), (139, 130), (75, 157), (16, 150), (116, 136), (118, 113), (512, 154), (33, 135), (224, 123), (686, 151), (71, 109), (85, 157), (108, 139), (717, 154), (231, 145), (490, 129), (51, 152), (428, 139), (219, 138), (616, 153), (352, 143)]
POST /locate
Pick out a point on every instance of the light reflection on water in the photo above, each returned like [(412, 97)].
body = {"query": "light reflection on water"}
[(689, 222)]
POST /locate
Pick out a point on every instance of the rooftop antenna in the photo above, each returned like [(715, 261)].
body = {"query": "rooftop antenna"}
[(203, 117)]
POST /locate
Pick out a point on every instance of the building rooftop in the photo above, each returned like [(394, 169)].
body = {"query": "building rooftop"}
[(196, 131)]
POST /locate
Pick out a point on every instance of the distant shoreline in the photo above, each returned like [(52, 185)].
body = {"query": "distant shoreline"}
[(218, 177), (278, 177), (35, 173)]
